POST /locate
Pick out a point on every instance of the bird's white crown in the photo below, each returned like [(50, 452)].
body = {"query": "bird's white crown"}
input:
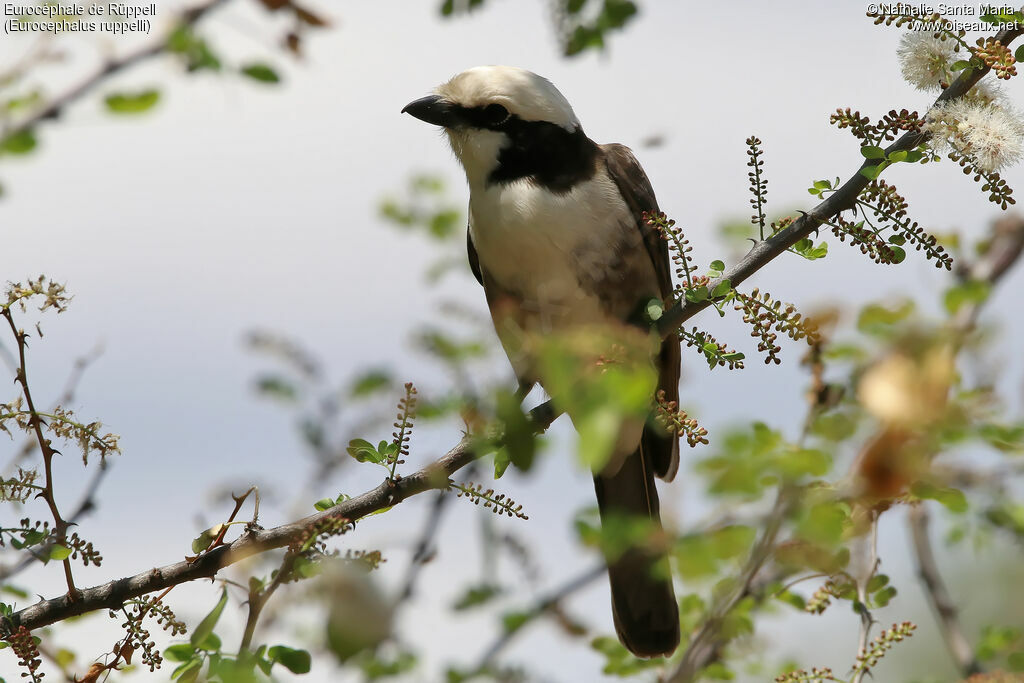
[(523, 93)]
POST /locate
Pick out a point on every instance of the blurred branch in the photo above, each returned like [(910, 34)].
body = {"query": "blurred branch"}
[(543, 605), (861, 606), (424, 550), (938, 595), (56, 106), (112, 595), (704, 646), (1003, 251)]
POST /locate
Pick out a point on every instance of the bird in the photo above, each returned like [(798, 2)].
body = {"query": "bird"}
[(558, 239)]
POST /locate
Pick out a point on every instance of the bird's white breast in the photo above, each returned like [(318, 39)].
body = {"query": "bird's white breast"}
[(550, 250)]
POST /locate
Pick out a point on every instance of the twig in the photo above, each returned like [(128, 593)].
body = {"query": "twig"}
[(258, 599), (866, 619), (938, 595)]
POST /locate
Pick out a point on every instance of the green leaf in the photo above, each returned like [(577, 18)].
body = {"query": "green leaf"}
[(205, 626), (697, 294), (718, 265), (187, 671), (64, 658), (132, 103), (518, 438), (203, 540), (22, 142), (824, 523), (732, 541), (211, 643), (324, 504), (447, 8), (59, 552), (1019, 54), (277, 387), (296, 661), (872, 152), (898, 254), (474, 596), (822, 185), (260, 72), (616, 13), (654, 310), (871, 172), (363, 451), (877, 320), (370, 382), (721, 289), (501, 462), (898, 156), (513, 621), (574, 6), (969, 292), (953, 499)]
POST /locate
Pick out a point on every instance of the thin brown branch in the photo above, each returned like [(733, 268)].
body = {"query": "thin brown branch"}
[(112, 595), (60, 526), (258, 598), (53, 109), (937, 594)]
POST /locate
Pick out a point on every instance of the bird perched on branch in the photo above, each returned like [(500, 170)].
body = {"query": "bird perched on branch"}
[(557, 239)]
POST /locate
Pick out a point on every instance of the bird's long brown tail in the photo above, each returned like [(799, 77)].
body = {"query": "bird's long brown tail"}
[(643, 601)]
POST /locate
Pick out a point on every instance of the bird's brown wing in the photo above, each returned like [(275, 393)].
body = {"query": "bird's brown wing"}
[(660, 448)]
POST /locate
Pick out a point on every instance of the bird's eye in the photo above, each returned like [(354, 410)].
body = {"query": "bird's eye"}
[(495, 114)]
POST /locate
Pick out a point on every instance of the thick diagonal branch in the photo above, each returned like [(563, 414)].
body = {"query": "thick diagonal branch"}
[(842, 200)]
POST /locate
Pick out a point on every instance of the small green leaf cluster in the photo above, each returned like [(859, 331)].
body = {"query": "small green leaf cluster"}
[(390, 454), (752, 459), (580, 32), (716, 353), (197, 55)]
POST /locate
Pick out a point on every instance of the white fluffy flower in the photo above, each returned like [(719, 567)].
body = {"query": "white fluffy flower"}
[(992, 135), (925, 60)]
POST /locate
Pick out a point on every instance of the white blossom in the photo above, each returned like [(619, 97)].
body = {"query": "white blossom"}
[(925, 60), (992, 135)]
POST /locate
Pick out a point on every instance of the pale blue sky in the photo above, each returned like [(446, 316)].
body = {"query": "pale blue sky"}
[(234, 206)]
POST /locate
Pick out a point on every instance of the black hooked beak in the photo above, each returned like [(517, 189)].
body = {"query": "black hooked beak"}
[(436, 110)]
